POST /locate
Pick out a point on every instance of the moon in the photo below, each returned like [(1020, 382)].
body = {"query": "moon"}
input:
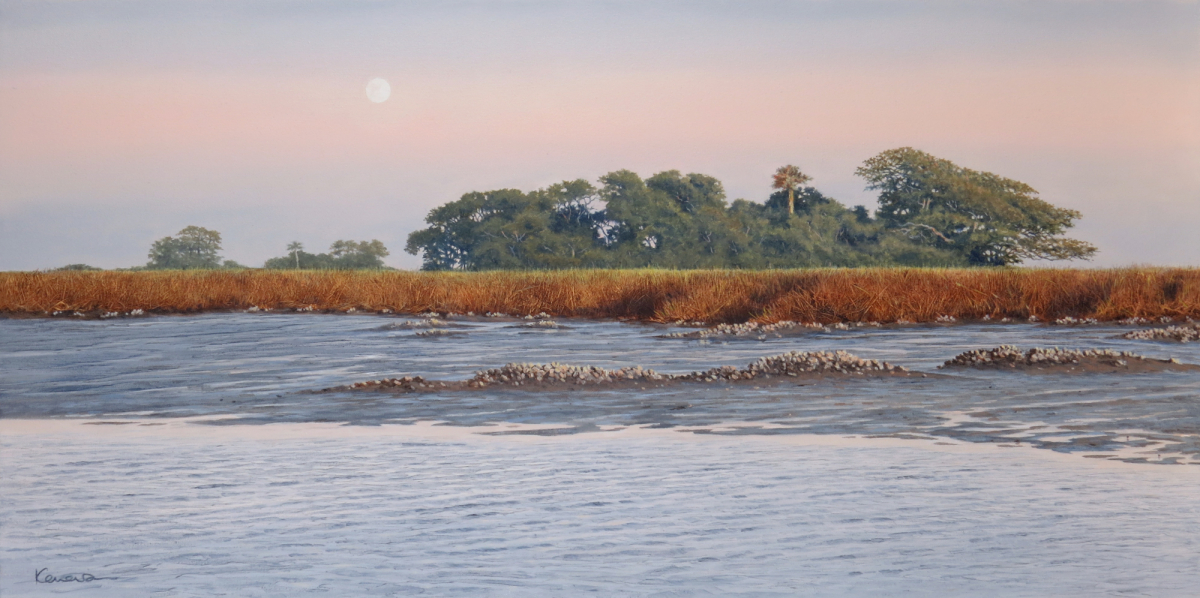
[(378, 90)]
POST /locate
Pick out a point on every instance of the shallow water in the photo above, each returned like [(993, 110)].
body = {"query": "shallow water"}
[(261, 368), (186, 456)]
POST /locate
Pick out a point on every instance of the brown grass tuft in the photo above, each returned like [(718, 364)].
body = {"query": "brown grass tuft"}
[(823, 295)]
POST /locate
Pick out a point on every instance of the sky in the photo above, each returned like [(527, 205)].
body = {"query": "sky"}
[(123, 121)]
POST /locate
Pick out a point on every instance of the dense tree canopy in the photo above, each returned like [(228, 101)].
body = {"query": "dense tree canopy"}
[(192, 248), (343, 255), (987, 218), (932, 213)]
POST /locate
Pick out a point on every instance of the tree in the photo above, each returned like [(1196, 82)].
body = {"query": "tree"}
[(555, 227), (801, 200), (192, 248), (343, 255), (480, 231), (702, 235), (932, 213), (576, 224), (360, 255), (294, 248), (648, 220), (789, 177), (988, 219)]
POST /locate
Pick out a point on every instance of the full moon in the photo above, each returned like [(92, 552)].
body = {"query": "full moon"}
[(378, 90)]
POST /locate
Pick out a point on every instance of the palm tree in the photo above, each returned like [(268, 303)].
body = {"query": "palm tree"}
[(294, 248), (789, 177)]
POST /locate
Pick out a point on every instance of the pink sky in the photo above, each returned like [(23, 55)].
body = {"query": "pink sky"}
[(134, 151)]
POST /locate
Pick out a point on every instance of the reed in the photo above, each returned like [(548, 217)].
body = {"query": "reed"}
[(712, 296)]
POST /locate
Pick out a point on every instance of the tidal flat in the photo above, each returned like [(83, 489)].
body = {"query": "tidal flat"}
[(190, 455)]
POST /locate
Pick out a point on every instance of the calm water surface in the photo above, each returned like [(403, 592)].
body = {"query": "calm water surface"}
[(187, 456)]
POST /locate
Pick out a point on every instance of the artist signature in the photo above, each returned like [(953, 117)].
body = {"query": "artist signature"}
[(40, 576)]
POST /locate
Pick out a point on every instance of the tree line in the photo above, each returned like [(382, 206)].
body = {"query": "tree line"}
[(198, 248), (931, 212)]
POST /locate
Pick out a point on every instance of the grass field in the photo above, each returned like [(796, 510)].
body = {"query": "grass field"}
[(821, 295)]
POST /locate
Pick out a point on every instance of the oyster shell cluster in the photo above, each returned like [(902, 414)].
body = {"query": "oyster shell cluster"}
[(787, 364), (1008, 355), (1069, 321), (1182, 334), (516, 374), (756, 329), (795, 363), (1134, 321)]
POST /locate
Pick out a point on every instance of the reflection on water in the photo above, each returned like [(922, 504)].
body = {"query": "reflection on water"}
[(184, 456), (291, 509)]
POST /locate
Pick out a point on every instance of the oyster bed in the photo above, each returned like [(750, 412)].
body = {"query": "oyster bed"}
[(1182, 334), (1070, 360), (786, 365), (776, 330)]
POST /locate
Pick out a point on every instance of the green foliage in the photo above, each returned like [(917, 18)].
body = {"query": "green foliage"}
[(803, 199), (673, 220), (192, 248), (507, 229), (343, 255), (987, 219), (77, 268), (670, 221)]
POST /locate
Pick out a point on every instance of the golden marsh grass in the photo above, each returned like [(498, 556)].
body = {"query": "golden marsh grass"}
[(818, 295)]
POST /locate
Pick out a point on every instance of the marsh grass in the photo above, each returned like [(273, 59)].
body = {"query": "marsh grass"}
[(712, 296)]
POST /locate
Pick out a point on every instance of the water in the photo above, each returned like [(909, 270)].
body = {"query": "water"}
[(262, 368), (187, 456)]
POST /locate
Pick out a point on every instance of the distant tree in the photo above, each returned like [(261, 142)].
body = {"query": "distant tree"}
[(299, 260), (803, 200), (670, 220), (343, 255), (294, 248), (789, 177), (358, 255), (192, 248), (691, 192), (77, 268), (575, 222), (988, 219), (493, 230)]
